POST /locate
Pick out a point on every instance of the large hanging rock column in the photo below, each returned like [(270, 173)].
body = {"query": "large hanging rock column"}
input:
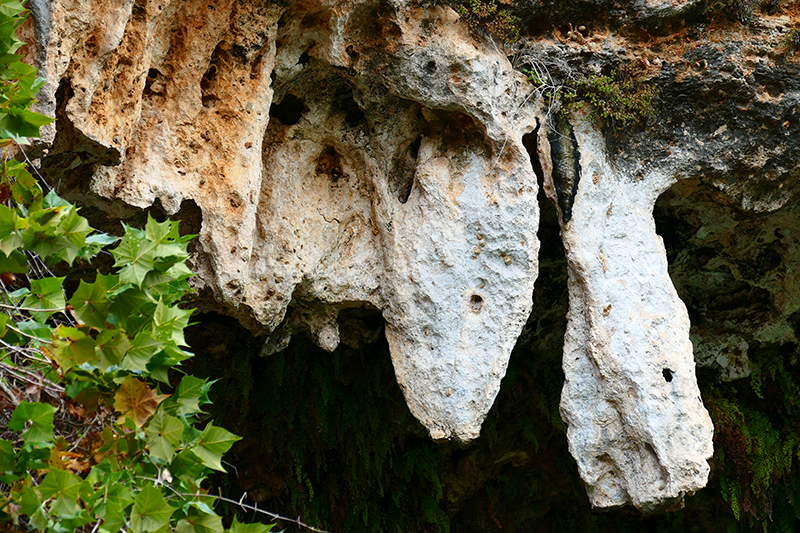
[(637, 426)]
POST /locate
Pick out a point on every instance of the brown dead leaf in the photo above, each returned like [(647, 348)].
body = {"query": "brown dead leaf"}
[(35, 389), (77, 411), (77, 466), (137, 401)]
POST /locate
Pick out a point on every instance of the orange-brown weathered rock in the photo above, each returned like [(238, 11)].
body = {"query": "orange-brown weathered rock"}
[(341, 155)]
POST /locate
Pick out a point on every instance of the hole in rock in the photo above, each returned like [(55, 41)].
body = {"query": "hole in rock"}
[(257, 66), (667, 374), (289, 111), (154, 83), (476, 303), (304, 59), (404, 165), (91, 46), (329, 164), (529, 141), (312, 20), (360, 326), (413, 148), (431, 67), (345, 103), (773, 89), (190, 216), (207, 84)]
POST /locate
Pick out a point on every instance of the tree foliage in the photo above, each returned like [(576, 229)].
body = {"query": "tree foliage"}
[(103, 435)]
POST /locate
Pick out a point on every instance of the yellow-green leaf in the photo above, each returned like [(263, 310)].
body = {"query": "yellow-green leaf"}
[(212, 445), (72, 348)]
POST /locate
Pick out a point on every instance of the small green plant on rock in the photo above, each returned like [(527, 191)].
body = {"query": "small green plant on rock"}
[(791, 41), (484, 16), (740, 10), (618, 97)]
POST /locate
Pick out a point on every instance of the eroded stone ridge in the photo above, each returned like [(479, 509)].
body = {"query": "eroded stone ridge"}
[(637, 426), (341, 155)]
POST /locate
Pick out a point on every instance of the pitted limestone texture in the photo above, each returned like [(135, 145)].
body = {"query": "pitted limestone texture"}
[(342, 155), (637, 426)]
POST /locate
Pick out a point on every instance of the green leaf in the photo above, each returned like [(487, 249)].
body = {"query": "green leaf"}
[(213, 443), (9, 239), (150, 511), (101, 239), (191, 393), (19, 124), (110, 507), (143, 348), (96, 242), (8, 459), (237, 527), (33, 506), (24, 190), (42, 332), (52, 199), (163, 435), (34, 456), (135, 255), (39, 416), (62, 486), (187, 465), (200, 523), (46, 294), (131, 308), (72, 348), (12, 10), (111, 346), (74, 229), (174, 318), (15, 262), (169, 247), (90, 303)]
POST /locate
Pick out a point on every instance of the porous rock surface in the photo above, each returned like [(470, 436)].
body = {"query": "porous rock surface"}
[(375, 154), (341, 155), (637, 425)]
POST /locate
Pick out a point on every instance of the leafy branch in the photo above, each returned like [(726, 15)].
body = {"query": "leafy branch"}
[(103, 434)]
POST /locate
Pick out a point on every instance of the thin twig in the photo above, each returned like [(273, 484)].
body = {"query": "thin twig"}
[(46, 385), (46, 341), (272, 516), (88, 428), (31, 165), (31, 309), (255, 508), (11, 396)]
